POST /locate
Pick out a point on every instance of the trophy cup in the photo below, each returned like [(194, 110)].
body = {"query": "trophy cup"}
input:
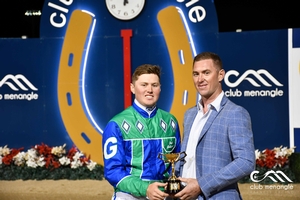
[(174, 185)]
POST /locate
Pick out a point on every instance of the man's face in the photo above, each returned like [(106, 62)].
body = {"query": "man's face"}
[(146, 89), (207, 79)]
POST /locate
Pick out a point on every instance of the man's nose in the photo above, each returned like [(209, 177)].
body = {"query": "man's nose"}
[(149, 88), (200, 78)]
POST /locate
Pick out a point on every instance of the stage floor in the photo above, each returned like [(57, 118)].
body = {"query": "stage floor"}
[(101, 190)]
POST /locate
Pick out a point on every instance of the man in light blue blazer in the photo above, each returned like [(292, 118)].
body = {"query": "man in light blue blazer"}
[(218, 138)]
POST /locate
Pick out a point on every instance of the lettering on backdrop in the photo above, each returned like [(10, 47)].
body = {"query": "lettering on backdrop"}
[(197, 11), (267, 80), (16, 83), (58, 18)]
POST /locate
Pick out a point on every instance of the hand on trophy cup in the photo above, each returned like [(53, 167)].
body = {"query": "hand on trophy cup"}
[(174, 185)]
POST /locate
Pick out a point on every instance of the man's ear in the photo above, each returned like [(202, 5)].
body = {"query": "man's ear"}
[(221, 75), (132, 88)]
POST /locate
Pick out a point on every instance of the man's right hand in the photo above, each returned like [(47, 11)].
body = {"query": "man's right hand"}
[(154, 193)]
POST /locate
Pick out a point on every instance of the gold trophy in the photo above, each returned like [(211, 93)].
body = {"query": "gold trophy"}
[(174, 185)]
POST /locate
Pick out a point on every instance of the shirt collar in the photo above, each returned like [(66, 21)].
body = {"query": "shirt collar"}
[(147, 109), (216, 103)]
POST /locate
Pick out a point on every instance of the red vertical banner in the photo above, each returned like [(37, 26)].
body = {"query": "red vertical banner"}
[(126, 34)]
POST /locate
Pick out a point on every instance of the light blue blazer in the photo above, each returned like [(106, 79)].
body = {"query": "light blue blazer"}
[(225, 150)]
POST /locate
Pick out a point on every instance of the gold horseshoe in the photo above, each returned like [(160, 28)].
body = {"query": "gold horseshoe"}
[(177, 40), (70, 104), (78, 126)]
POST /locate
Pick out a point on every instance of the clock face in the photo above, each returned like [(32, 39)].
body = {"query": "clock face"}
[(125, 9)]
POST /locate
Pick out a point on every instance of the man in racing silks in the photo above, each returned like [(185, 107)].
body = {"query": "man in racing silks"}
[(133, 139)]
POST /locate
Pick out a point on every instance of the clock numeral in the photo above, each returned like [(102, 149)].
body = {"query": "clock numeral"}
[(125, 13), (132, 11), (113, 6)]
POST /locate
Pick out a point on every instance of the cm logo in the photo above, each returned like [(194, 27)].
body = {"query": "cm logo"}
[(256, 74), (110, 147), (13, 81), (274, 176)]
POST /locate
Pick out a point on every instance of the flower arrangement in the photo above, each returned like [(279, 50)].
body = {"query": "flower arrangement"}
[(44, 162), (272, 160)]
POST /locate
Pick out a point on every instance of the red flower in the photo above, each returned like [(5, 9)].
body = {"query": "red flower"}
[(7, 160), (72, 152), (43, 149), (260, 162), (270, 159), (50, 159), (282, 161)]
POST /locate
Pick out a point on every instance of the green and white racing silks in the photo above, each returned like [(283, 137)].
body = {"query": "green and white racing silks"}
[(132, 141)]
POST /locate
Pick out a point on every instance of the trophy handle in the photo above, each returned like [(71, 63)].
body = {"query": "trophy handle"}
[(161, 156), (182, 157)]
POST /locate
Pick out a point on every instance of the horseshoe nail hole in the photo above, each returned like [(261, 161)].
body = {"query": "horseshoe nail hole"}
[(69, 99), (86, 138), (70, 61)]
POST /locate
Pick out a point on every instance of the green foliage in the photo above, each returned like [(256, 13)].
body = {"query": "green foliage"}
[(295, 165), (13, 172)]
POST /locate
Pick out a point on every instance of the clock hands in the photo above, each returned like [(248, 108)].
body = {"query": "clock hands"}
[(126, 9)]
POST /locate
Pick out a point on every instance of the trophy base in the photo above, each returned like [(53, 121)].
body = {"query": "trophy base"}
[(173, 187)]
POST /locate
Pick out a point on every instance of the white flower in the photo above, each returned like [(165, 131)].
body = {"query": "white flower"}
[(31, 163), (31, 154), (289, 151), (91, 165), (4, 151), (75, 164), (278, 152), (283, 152), (78, 155), (0, 160), (64, 160), (257, 154), (19, 159), (41, 161), (58, 151)]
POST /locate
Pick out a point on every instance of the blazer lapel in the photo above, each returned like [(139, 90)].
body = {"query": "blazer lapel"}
[(208, 123), (214, 113)]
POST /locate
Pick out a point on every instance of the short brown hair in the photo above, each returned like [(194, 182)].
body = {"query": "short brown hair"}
[(209, 55), (145, 69)]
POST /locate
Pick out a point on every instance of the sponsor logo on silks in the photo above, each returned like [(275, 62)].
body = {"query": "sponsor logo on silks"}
[(274, 176), (15, 79), (256, 74), (266, 80), (169, 144), (110, 147), (16, 83)]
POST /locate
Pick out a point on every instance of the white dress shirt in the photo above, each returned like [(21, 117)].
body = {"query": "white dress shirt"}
[(189, 168)]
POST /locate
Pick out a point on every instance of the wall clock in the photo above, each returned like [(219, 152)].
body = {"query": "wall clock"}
[(125, 9)]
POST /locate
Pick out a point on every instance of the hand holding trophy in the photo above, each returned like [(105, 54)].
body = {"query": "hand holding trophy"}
[(174, 185)]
